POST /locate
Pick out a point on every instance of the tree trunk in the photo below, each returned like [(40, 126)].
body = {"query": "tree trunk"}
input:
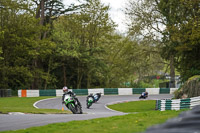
[(48, 73), (64, 75), (35, 80), (42, 12), (79, 81), (88, 81), (79, 77), (172, 72), (35, 62)]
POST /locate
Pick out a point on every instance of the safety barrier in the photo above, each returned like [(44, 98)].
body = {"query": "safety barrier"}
[(138, 90), (177, 104), (104, 91), (111, 91), (5, 93)]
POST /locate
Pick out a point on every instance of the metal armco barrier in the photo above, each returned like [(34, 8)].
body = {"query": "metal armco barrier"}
[(177, 104), (186, 122), (5, 93)]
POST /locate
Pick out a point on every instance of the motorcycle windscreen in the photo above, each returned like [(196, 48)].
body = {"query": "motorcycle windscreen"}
[(67, 97)]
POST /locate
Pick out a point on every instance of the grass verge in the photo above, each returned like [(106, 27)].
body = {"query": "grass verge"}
[(131, 123), (25, 105), (135, 106)]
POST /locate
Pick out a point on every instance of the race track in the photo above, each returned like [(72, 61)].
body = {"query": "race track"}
[(15, 121)]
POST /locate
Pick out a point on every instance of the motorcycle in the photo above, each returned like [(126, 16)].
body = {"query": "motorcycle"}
[(143, 95), (97, 96), (72, 103), (89, 100)]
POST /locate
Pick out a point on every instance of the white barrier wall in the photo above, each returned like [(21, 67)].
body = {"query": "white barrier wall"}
[(93, 91), (32, 93), (153, 91), (125, 91), (19, 93), (172, 90), (120, 91), (59, 92)]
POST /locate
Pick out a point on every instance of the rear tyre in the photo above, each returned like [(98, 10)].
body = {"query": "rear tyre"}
[(79, 109), (72, 108)]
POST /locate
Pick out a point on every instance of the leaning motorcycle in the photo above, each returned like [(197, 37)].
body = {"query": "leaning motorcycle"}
[(71, 102), (143, 96), (89, 101), (97, 96)]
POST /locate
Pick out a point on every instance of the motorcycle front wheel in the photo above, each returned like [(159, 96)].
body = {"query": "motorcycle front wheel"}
[(88, 105)]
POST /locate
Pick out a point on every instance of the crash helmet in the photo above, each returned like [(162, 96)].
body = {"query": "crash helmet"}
[(65, 89)]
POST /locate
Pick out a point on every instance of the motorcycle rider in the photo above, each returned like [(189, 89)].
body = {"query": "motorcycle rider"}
[(65, 92), (145, 94), (91, 95), (97, 96)]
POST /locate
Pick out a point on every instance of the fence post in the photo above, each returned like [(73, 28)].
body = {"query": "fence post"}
[(156, 105)]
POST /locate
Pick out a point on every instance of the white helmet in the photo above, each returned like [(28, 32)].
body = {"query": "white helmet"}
[(65, 89)]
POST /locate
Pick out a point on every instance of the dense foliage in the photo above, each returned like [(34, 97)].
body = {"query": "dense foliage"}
[(175, 26), (44, 45)]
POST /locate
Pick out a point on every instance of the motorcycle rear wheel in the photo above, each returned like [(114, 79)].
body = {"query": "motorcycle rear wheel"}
[(79, 109), (72, 108)]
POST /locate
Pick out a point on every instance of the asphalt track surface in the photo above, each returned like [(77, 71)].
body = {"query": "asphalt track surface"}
[(15, 121)]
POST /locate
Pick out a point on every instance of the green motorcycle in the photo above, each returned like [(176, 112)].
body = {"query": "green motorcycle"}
[(89, 100), (72, 103)]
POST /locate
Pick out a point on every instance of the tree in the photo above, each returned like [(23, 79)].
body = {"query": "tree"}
[(47, 12), (17, 28), (85, 30), (147, 27), (67, 46), (185, 35), (96, 24), (180, 34)]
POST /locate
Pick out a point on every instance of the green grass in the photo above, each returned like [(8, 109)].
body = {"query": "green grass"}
[(135, 106), (131, 123), (25, 105)]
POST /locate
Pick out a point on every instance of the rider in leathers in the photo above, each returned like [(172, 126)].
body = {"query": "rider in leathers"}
[(72, 94)]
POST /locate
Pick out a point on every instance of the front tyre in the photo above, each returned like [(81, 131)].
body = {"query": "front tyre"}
[(88, 105)]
